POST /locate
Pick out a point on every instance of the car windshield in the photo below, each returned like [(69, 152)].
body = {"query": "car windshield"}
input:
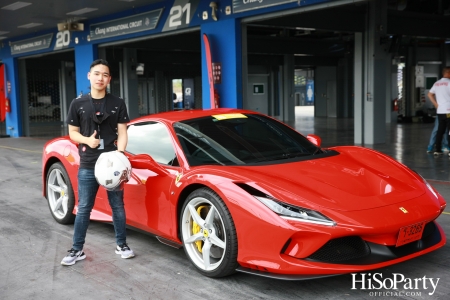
[(240, 139)]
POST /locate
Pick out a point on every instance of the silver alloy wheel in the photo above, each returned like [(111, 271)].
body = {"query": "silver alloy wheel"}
[(211, 233), (57, 194)]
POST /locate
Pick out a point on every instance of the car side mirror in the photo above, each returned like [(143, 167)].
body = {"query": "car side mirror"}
[(145, 161), (315, 139)]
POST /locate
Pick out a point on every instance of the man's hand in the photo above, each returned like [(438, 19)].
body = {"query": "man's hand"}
[(92, 141), (433, 100)]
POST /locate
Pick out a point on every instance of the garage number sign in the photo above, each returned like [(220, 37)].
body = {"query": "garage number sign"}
[(180, 14), (136, 23)]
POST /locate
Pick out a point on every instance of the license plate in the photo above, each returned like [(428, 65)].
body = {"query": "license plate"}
[(410, 234)]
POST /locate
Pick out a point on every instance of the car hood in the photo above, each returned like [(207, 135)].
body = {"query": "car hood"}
[(355, 179)]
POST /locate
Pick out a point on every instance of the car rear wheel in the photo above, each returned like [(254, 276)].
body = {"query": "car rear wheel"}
[(208, 234), (60, 196)]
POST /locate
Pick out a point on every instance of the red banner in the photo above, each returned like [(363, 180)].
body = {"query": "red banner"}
[(210, 75), (2, 94)]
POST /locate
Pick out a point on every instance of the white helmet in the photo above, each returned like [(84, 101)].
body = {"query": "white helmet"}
[(112, 169)]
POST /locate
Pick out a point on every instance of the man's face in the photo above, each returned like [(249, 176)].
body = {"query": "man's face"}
[(99, 77)]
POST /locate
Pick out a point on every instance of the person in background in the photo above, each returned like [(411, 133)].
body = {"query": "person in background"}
[(432, 142), (439, 95)]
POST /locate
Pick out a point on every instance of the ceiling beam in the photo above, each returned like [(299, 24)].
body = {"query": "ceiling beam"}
[(281, 45), (414, 24), (335, 19)]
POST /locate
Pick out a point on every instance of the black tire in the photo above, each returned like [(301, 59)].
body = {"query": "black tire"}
[(212, 246), (59, 194)]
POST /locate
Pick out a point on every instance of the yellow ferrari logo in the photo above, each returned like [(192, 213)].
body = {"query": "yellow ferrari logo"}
[(62, 193), (403, 210), (177, 179), (205, 233)]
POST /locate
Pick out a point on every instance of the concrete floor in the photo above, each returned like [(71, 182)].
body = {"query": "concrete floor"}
[(33, 244)]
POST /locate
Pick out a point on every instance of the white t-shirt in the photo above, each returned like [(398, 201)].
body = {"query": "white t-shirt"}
[(441, 89)]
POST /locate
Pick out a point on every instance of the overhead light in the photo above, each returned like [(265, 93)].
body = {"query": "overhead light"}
[(2, 37), (82, 11), (126, 0), (3, 32), (29, 25), (16, 5), (140, 69), (305, 28)]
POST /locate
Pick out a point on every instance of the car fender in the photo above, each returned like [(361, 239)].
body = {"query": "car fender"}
[(64, 151)]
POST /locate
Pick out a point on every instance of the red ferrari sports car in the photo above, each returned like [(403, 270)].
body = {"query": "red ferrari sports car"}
[(241, 191)]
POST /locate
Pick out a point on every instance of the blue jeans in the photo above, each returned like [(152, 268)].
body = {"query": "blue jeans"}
[(442, 130), (87, 191), (433, 136)]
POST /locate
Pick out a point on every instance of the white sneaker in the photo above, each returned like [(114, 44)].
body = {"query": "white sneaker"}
[(73, 257), (124, 251)]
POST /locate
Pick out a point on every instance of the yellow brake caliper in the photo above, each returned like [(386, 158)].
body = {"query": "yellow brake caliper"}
[(196, 229)]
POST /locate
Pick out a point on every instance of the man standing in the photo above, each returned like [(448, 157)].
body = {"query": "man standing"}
[(98, 123), (440, 97)]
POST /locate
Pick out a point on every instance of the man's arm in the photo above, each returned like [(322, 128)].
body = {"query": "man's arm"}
[(77, 137), (432, 98), (122, 138)]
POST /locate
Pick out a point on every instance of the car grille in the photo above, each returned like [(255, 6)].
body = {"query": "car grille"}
[(428, 230), (341, 249)]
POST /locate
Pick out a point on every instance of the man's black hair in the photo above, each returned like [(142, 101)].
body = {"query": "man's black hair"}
[(100, 62)]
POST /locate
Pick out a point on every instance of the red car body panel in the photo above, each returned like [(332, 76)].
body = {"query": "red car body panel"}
[(360, 189)]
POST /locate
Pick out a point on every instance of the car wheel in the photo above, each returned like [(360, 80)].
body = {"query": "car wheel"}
[(208, 234), (60, 196)]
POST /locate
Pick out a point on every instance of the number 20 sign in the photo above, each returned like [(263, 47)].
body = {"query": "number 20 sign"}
[(62, 40)]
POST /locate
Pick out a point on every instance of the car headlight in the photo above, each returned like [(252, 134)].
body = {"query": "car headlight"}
[(430, 188), (428, 185), (295, 213)]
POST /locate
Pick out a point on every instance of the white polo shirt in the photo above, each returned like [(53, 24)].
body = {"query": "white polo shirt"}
[(441, 89)]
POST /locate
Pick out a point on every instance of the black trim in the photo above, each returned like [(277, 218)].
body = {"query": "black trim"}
[(283, 276), (323, 154), (380, 253)]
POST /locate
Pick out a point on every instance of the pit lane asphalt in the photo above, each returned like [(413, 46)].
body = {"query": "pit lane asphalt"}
[(32, 245)]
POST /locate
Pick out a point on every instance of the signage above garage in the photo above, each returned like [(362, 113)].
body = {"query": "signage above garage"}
[(244, 5), (33, 44), (132, 24)]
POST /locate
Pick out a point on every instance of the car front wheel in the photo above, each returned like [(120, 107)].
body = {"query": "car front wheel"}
[(60, 196), (208, 234)]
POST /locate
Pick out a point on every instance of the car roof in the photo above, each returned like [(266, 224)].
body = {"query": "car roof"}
[(182, 115)]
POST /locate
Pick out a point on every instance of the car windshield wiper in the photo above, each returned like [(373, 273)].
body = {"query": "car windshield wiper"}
[(284, 156), (318, 150)]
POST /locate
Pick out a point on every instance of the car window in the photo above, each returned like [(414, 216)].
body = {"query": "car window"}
[(154, 139), (238, 139)]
